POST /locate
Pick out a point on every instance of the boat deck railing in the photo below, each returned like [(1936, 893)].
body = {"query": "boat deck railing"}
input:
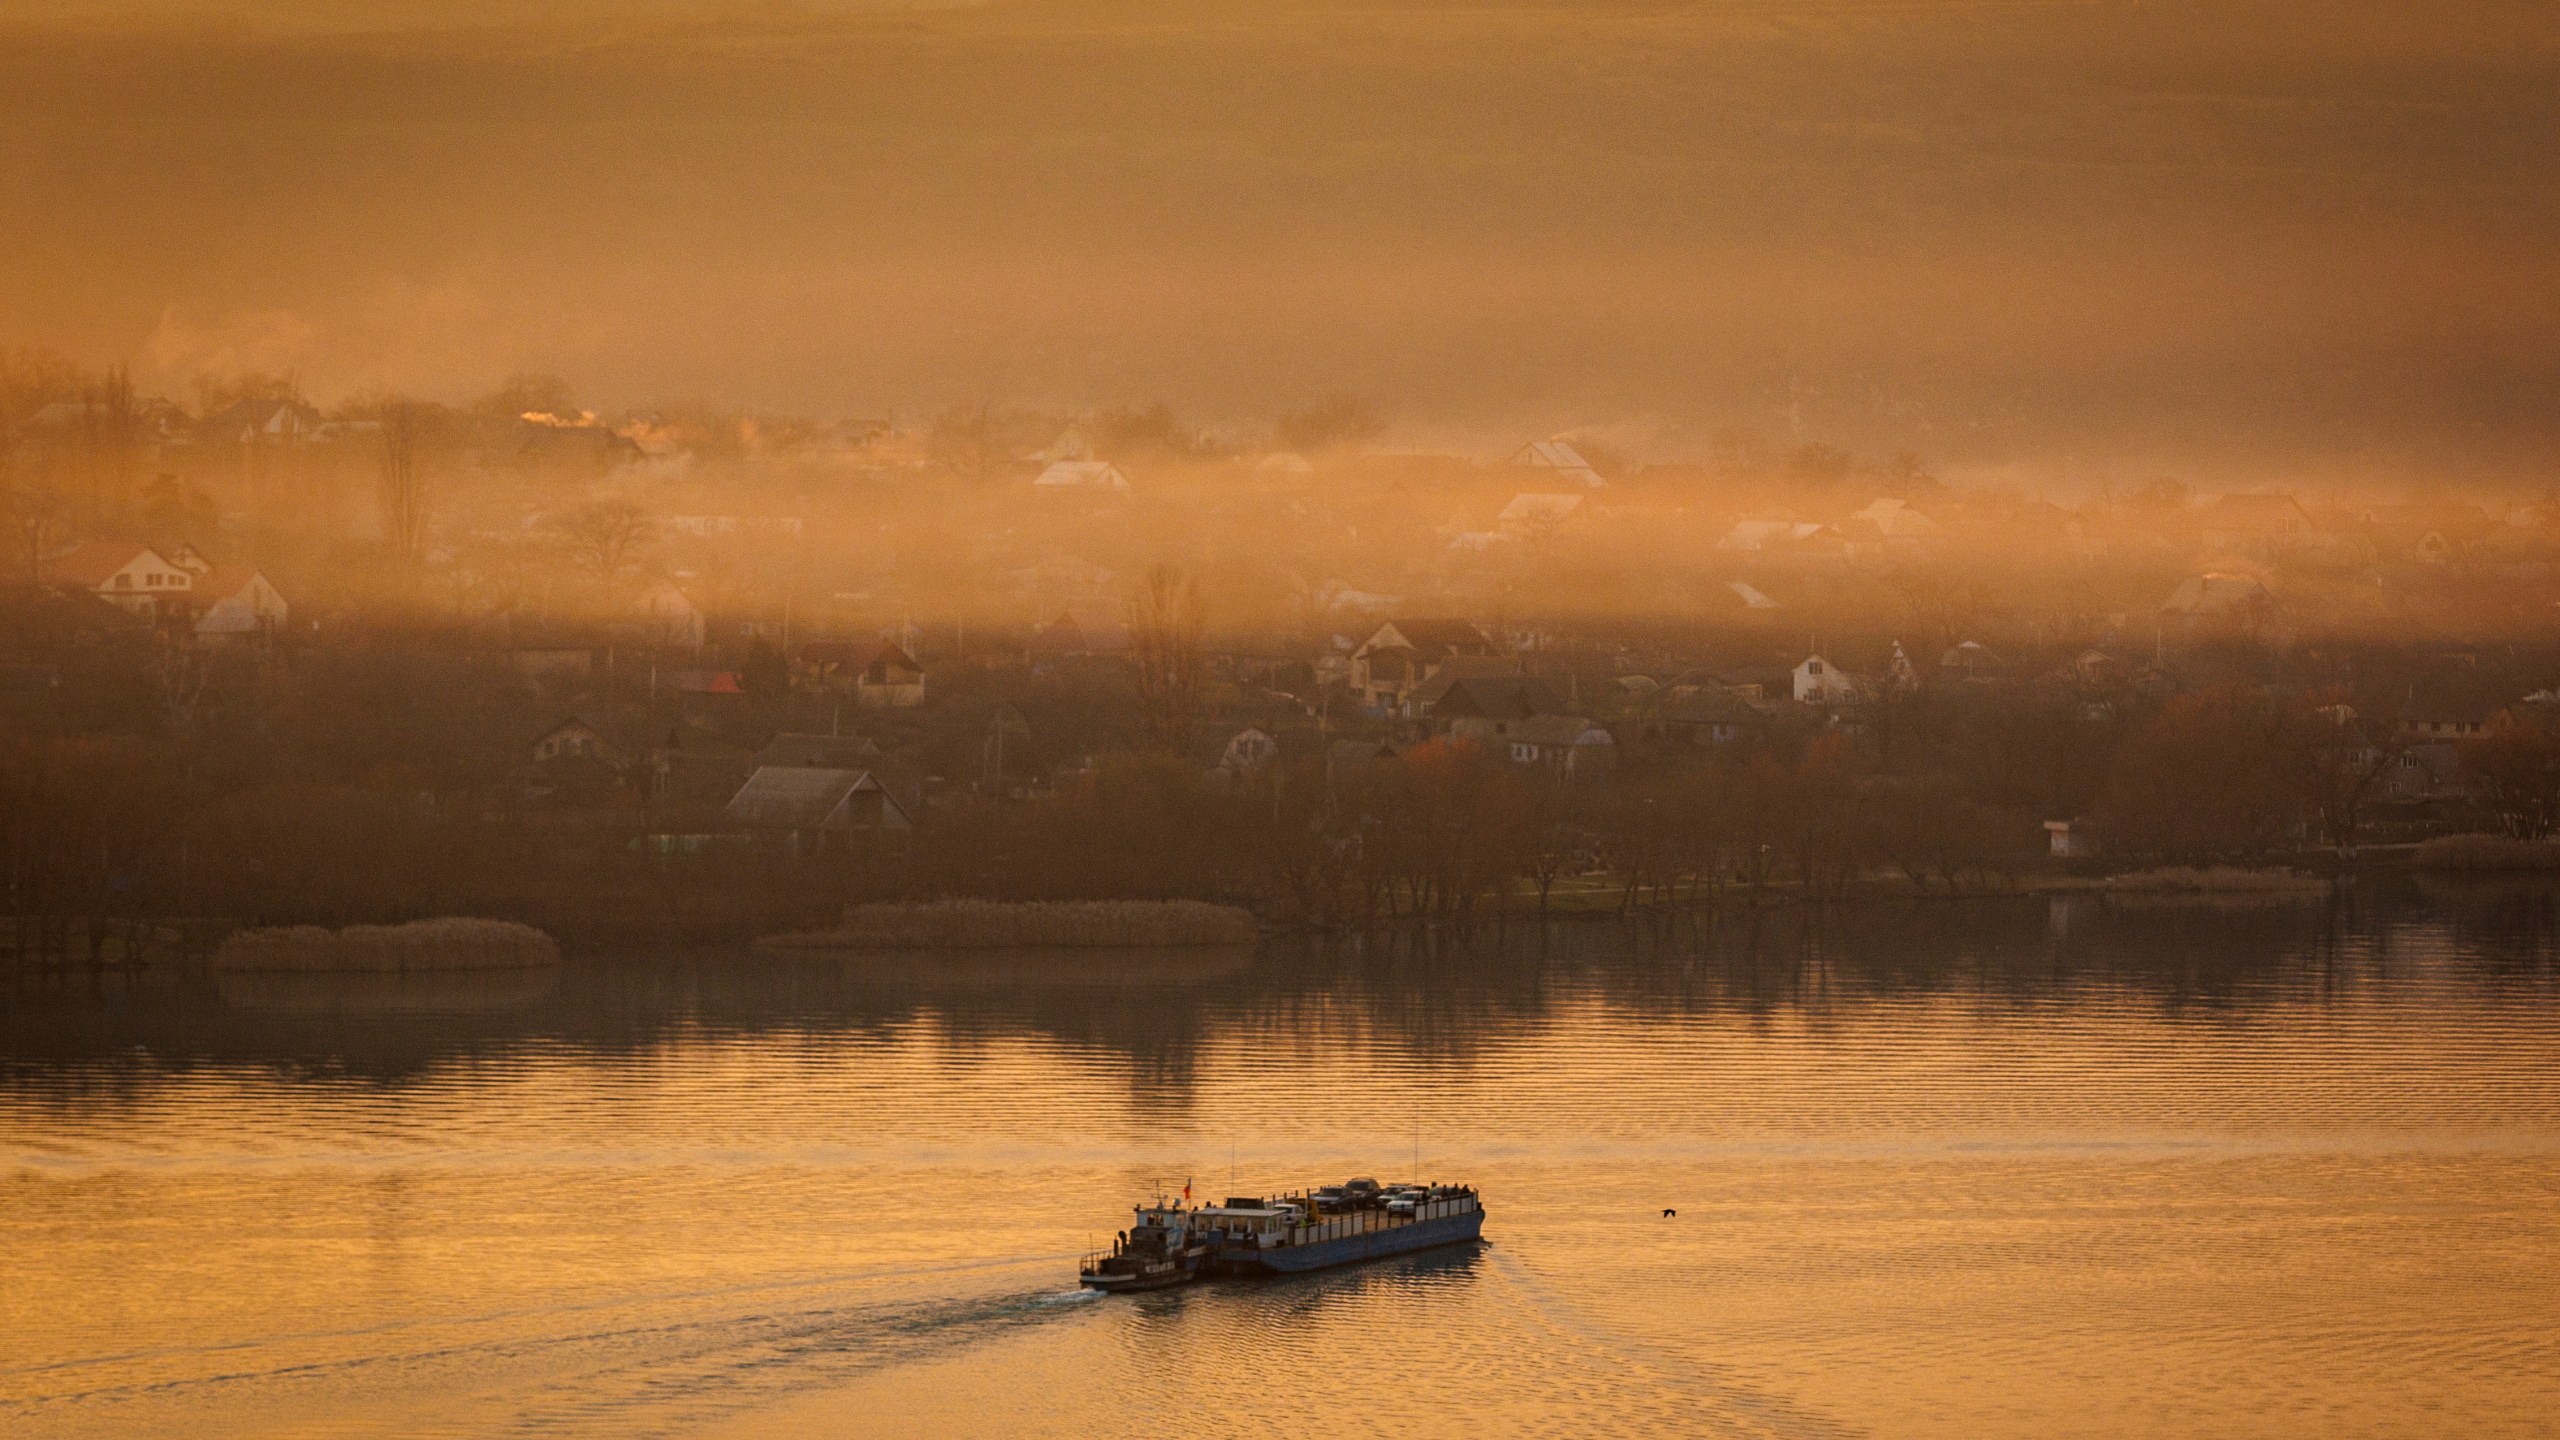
[(1364, 1222)]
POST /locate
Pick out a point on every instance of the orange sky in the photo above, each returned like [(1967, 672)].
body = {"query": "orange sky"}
[(2221, 237)]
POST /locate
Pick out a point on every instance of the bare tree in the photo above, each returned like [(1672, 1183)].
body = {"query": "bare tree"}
[(1940, 605), (108, 422), (605, 538), (404, 494), (38, 519), (1165, 624)]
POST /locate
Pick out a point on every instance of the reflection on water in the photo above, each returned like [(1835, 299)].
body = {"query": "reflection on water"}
[(2026, 1167), (357, 994)]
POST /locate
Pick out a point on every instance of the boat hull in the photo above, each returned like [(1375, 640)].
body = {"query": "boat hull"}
[(1352, 1249), (1119, 1284)]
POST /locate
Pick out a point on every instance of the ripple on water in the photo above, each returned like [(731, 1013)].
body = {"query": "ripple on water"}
[(2289, 1173)]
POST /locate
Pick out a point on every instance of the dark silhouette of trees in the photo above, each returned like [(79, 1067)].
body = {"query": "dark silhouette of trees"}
[(1933, 828), (407, 427), (2516, 766), (764, 676), (1165, 625), (2338, 759), (38, 520), (2206, 779)]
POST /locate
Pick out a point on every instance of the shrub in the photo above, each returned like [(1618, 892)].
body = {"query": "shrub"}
[(2487, 854), (451, 943)]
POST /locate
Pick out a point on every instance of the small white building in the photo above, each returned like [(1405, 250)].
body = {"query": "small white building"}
[(236, 603), (1819, 682), (1249, 751), (1896, 520), (1099, 475)]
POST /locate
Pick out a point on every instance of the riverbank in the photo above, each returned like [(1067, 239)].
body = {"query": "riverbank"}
[(1008, 925)]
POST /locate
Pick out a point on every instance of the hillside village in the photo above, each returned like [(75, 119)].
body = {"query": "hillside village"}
[(712, 671)]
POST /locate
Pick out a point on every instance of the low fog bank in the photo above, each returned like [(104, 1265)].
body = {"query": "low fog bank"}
[(2071, 245)]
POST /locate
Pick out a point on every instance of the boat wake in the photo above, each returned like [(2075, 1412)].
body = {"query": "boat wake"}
[(637, 1367), (1720, 1403)]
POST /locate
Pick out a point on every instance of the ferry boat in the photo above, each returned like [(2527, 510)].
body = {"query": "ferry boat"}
[(1305, 1230)]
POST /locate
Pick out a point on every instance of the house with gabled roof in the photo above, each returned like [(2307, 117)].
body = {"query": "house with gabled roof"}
[(234, 603), (1816, 681), (1092, 476), (1454, 695), (134, 578), (1789, 539), (1896, 520), (1081, 633), (890, 680), (575, 765), (1402, 655), (261, 420), (1707, 714), (1559, 459), (812, 809), (1569, 747)]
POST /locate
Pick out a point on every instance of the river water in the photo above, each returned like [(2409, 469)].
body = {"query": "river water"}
[(2001, 1168)]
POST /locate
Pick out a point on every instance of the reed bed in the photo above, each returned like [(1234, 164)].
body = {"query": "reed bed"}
[(450, 943), (2487, 855), (1007, 925)]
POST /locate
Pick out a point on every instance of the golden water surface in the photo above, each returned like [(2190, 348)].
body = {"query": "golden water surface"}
[(2014, 1168)]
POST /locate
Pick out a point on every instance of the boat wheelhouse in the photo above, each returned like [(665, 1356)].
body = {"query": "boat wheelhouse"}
[(1162, 1247)]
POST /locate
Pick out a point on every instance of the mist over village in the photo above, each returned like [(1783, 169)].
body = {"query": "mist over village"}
[(721, 673)]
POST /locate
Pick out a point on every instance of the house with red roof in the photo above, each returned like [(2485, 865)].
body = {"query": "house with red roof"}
[(134, 578)]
